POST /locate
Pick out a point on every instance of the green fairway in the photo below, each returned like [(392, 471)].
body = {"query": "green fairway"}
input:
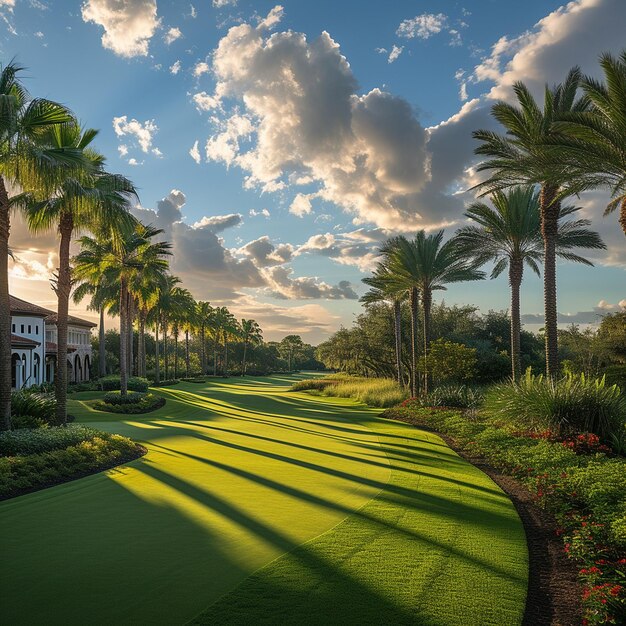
[(253, 505)]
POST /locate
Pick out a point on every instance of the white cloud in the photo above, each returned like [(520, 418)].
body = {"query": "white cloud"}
[(282, 285), (220, 4), (194, 152), (205, 102), (264, 212), (175, 67), (172, 35), (304, 119), (272, 18), (128, 24), (265, 254), (422, 26), (138, 133), (39, 34), (218, 223), (396, 51), (301, 205), (192, 12), (202, 67)]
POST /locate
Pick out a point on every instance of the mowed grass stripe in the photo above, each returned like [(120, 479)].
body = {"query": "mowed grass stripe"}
[(441, 545)]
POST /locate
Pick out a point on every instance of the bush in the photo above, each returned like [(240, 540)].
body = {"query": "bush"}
[(32, 441), (616, 375), (149, 402), (166, 383), (378, 392), (22, 474), (90, 385), (453, 396), (132, 397), (572, 404), (112, 383), (198, 380), (39, 407)]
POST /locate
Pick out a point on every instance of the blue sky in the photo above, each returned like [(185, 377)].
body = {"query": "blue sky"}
[(311, 148)]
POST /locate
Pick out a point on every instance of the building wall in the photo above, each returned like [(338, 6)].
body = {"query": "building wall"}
[(32, 372)]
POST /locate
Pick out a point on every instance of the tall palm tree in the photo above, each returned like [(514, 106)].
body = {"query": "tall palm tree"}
[(189, 324), (28, 163), (82, 198), (521, 157), (203, 315), (251, 335), (383, 289), (509, 235), (426, 264), (181, 302), (594, 141)]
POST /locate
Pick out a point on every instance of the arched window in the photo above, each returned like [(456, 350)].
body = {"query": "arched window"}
[(36, 368)]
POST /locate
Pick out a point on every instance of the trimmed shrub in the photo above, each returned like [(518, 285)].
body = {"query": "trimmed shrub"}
[(148, 402), (22, 474), (166, 383), (573, 404), (132, 397), (112, 383), (33, 441)]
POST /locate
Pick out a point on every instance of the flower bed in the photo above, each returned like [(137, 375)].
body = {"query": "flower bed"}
[(574, 477)]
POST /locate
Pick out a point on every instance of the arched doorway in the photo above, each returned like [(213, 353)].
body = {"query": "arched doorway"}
[(87, 370), (16, 363), (36, 369), (78, 370)]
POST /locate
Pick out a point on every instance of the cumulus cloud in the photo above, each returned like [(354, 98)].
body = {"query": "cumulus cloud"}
[(205, 102), (265, 254), (128, 24), (218, 223), (396, 51), (172, 35), (282, 285), (219, 4), (264, 212), (139, 135), (200, 68), (175, 67), (301, 205), (296, 102), (422, 26)]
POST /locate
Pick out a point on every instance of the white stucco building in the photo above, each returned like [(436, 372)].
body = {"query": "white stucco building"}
[(34, 345)]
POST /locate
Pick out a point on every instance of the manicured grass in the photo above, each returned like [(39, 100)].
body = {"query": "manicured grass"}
[(290, 508)]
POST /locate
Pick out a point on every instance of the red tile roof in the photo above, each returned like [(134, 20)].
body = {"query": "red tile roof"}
[(16, 340), (75, 321), (27, 308)]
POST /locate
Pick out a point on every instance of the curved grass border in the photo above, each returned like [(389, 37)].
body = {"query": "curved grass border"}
[(103, 407), (392, 561)]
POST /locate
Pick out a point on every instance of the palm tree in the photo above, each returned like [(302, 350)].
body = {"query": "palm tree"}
[(594, 141), (426, 264), (189, 323), (382, 289), (28, 163), (203, 315), (509, 235), (252, 335), (521, 156), (82, 198)]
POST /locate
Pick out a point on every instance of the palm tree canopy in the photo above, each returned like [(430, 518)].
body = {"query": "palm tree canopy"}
[(509, 231), (522, 155)]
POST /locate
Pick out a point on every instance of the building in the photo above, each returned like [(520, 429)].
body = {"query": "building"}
[(34, 345)]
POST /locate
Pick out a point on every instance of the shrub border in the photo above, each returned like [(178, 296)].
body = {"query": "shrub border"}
[(554, 592), (103, 407), (139, 451)]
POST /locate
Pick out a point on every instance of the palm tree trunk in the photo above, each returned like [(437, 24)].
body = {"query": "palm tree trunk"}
[(123, 337), (243, 364), (64, 286), (131, 347), (141, 345), (413, 303), (622, 215), (549, 207), (203, 351), (215, 357), (102, 357), (187, 354), (515, 280), (157, 365), (5, 311), (165, 359), (427, 302), (225, 373), (397, 322), (176, 353)]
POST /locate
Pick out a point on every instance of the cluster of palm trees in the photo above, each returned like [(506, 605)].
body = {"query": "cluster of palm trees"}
[(573, 143), (50, 172)]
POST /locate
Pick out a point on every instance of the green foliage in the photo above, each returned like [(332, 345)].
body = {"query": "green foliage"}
[(33, 441), (571, 404), (454, 396), (378, 392), (166, 383), (41, 407), (147, 403), (112, 383), (616, 375), (448, 361), (132, 397), (21, 474)]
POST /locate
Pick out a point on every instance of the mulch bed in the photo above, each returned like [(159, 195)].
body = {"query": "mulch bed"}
[(554, 593), (138, 452)]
